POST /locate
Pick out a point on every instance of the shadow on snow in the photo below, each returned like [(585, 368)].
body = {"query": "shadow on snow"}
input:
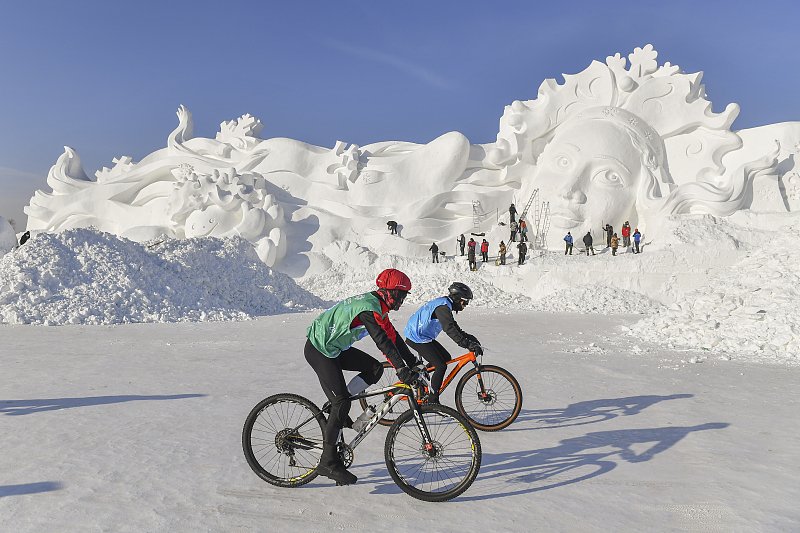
[(29, 488), (577, 459), (26, 407), (588, 412)]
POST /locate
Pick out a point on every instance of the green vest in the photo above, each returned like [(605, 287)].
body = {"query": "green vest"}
[(330, 332)]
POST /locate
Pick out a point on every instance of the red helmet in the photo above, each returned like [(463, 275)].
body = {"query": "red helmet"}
[(391, 278)]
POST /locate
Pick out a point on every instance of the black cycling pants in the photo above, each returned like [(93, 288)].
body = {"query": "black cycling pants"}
[(437, 355), (329, 372)]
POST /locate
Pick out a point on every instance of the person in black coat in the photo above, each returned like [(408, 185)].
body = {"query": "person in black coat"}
[(512, 212), (462, 241), (609, 233), (435, 251), (24, 238), (587, 242), (523, 249), (392, 227)]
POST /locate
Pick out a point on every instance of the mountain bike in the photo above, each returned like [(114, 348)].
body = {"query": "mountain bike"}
[(431, 451), (487, 395)]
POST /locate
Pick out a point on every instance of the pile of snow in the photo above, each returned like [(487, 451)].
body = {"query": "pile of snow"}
[(747, 310), (596, 299), (353, 269), (84, 276)]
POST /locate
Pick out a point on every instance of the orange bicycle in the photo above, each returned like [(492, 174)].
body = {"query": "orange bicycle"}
[(487, 395)]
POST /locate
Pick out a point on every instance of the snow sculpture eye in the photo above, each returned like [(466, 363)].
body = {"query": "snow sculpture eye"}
[(210, 220), (609, 178)]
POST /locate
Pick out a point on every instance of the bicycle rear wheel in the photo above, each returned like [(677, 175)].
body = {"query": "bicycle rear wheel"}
[(494, 408), (387, 379), (282, 440), (441, 472)]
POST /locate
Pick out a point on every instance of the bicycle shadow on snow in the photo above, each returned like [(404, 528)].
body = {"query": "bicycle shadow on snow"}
[(27, 407), (588, 412), (576, 459)]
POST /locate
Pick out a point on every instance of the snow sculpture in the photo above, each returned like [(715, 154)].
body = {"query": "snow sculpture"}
[(616, 142), (8, 239), (611, 145)]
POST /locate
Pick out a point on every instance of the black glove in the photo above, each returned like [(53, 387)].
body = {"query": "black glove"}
[(407, 375), (475, 348)]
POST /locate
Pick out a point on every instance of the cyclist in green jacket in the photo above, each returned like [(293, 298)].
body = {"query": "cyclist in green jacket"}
[(329, 351)]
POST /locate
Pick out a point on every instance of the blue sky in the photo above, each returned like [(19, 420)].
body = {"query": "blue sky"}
[(105, 77)]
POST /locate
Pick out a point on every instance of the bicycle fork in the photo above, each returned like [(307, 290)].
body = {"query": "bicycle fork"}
[(482, 394), (427, 440)]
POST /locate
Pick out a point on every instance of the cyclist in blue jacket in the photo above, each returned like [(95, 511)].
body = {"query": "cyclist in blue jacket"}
[(431, 319)]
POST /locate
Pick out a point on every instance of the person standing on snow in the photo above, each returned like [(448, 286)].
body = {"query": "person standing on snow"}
[(614, 244), (431, 319), (609, 233), (502, 254), (523, 249), (513, 226), (485, 250), (435, 251), (636, 238), (626, 234), (523, 230), (568, 239), (392, 227), (329, 350), (587, 242), (471, 254), (512, 213), (461, 241)]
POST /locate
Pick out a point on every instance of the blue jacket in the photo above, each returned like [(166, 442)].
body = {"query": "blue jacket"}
[(637, 236), (568, 238), (422, 327)]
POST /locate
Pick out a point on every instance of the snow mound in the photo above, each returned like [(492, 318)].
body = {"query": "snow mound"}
[(354, 270), (84, 276), (596, 299), (748, 311)]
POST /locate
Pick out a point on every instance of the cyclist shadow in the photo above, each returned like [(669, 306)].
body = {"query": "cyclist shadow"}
[(27, 407), (575, 459), (30, 488), (588, 412)]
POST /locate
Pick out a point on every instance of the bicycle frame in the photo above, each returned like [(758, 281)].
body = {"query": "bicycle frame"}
[(460, 363), (400, 391)]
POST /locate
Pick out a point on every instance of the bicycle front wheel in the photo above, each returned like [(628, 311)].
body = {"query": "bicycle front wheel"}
[(444, 468), (493, 406), (282, 440)]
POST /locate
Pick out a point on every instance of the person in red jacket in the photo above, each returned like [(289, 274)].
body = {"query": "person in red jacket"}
[(626, 234), (485, 250)]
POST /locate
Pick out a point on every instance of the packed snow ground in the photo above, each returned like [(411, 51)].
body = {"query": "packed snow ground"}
[(136, 427)]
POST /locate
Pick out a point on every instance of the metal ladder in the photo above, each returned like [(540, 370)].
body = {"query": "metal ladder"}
[(542, 222), (476, 215), (534, 194)]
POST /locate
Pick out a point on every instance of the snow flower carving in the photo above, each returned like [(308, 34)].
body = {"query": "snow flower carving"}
[(240, 133), (616, 62), (643, 61)]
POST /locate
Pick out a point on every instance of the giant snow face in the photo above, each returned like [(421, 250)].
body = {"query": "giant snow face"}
[(589, 173)]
